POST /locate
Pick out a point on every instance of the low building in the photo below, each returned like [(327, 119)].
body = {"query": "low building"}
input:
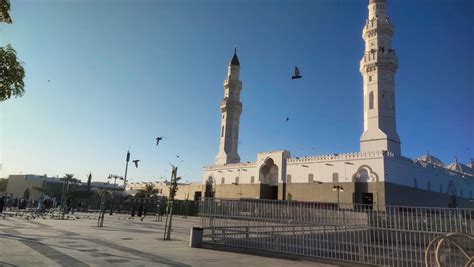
[(26, 186), (189, 191)]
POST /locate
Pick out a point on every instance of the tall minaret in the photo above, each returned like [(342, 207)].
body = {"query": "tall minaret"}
[(378, 68), (231, 109)]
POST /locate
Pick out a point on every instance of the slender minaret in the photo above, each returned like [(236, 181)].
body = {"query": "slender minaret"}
[(378, 68), (231, 109)]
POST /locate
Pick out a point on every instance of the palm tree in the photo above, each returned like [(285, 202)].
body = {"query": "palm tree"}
[(148, 191), (67, 178)]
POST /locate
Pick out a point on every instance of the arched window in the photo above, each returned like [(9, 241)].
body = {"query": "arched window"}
[(222, 131), (440, 188), (252, 179), (429, 186), (371, 100), (288, 178), (415, 183), (236, 180), (335, 177), (310, 178), (222, 180)]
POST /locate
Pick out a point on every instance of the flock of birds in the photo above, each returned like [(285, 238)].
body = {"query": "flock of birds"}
[(34, 214), (55, 214)]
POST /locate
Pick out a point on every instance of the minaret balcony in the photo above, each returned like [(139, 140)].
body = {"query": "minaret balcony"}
[(226, 103), (372, 27), (229, 82), (373, 61), (377, 56)]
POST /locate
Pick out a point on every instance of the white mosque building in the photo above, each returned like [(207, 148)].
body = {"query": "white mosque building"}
[(378, 174)]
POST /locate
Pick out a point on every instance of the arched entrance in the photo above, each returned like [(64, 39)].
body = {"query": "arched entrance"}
[(361, 178), (209, 187), (268, 180), (452, 195)]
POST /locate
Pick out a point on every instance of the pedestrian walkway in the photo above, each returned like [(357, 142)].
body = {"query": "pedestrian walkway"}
[(121, 242)]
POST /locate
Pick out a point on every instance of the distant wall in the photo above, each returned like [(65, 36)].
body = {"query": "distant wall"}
[(17, 184), (3, 185), (408, 196)]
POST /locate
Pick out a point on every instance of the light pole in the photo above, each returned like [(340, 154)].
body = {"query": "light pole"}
[(338, 188), (115, 177), (126, 169)]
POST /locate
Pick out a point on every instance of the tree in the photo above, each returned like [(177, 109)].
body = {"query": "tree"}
[(4, 11), (148, 191), (12, 72), (69, 178), (42, 190)]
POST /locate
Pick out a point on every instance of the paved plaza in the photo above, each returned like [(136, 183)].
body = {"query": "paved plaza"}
[(121, 242)]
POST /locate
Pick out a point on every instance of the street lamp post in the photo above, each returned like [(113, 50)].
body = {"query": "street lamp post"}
[(338, 188), (115, 177)]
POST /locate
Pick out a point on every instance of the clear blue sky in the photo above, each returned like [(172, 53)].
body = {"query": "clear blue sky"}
[(124, 72)]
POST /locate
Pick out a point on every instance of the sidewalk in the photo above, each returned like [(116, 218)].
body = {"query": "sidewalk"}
[(121, 242)]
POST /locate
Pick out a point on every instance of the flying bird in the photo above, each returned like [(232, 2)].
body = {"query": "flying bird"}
[(297, 74), (49, 81), (177, 156), (136, 162), (287, 119), (158, 139)]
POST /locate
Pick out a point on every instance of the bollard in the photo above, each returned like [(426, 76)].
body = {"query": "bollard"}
[(195, 239)]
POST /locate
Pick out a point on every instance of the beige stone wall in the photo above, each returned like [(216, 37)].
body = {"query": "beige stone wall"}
[(17, 184), (237, 191), (324, 192)]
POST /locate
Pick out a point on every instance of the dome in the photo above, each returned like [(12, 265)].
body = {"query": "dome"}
[(430, 159), (235, 60), (459, 167)]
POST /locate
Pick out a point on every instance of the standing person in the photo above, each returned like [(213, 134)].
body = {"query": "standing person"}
[(140, 210), (2, 203), (133, 210)]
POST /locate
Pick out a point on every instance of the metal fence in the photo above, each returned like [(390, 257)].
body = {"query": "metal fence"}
[(381, 235)]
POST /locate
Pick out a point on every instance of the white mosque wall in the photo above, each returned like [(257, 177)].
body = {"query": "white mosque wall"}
[(336, 168), (404, 171), (235, 173)]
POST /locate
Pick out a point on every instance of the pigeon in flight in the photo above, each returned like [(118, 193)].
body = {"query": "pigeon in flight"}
[(287, 119), (297, 74), (49, 81), (177, 156), (158, 139), (136, 162)]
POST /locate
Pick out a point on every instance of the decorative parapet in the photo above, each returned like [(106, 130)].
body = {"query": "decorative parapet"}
[(230, 166), (344, 156)]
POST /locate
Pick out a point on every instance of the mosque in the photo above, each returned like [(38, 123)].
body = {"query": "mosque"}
[(378, 174)]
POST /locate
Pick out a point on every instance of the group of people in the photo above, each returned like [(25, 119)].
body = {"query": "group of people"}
[(7, 203)]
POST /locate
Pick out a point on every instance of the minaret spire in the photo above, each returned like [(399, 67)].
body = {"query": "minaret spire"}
[(378, 67), (231, 108)]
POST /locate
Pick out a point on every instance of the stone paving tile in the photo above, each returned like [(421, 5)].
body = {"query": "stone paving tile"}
[(122, 242)]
